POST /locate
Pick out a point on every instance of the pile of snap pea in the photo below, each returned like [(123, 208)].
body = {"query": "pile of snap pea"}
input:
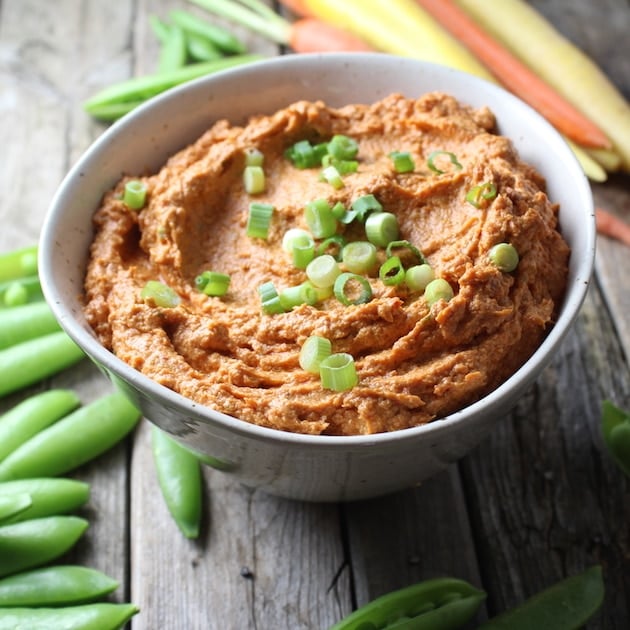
[(190, 48)]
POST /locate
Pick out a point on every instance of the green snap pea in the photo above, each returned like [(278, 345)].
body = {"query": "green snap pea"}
[(48, 496), (18, 263), (225, 41), (616, 433), (32, 415), (60, 585), (25, 322), (32, 543), (173, 51), (30, 286), (13, 504), (29, 362), (101, 616), (439, 603), (74, 440), (566, 605), (179, 476)]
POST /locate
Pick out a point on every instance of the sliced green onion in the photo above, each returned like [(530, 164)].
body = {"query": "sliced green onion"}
[(295, 234), (342, 147), (323, 293), (348, 217), (322, 271), (343, 166), (343, 288), (259, 220), (320, 219), (418, 277), (438, 289), (331, 175), (403, 162), (478, 194), (381, 228), (404, 244), (364, 205), (213, 283), (338, 211), (504, 256), (452, 158), (159, 294), (305, 155), (254, 157), (338, 372), (313, 351), (300, 294), (359, 256), (333, 245), (300, 244), (135, 194), (269, 299), (392, 272), (254, 180)]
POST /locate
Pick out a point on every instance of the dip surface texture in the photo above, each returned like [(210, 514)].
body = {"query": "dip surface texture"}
[(415, 362)]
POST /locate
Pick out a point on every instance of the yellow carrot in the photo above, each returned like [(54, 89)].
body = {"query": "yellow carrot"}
[(399, 27), (592, 168), (555, 59), (606, 158)]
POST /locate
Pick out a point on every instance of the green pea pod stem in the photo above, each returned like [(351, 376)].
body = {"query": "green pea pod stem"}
[(173, 51), (50, 496), (567, 605), (32, 415), (60, 585), (30, 285), (444, 603), (144, 87), (220, 37), (31, 361), (100, 616), (35, 542), (18, 263), (179, 477), (616, 434), (13, 504), (74, 440), (25, 322)]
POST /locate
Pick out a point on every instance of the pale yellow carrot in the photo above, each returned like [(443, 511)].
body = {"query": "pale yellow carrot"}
[(593, 169), (558, 61), (608, 159), (398, 27)]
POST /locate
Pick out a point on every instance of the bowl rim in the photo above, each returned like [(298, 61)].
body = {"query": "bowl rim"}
[(520, 379)]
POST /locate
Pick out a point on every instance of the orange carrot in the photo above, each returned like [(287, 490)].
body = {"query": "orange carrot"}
[(612, 226), (516, 76), (313, 35), (299, 7)]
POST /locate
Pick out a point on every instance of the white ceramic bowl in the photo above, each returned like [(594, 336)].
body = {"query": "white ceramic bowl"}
[(318, 468)]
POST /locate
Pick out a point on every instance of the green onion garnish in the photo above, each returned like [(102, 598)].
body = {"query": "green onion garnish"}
[(381, 228), (313, 351), (300, 244), (344, 284), (300, 294), (213, 283), (364, 205), (322, 271), (269, 299), (320, 219), (295, 234), (403, 162), (392, 271), (504, 256), (418, 277), (338, 372), (359, 256), (438, 289), (331, 175), (159, 294), (254, 157), (305, 155), (254, 180), (437, 154), (333, 245), (342, 147), (404, 244), (259, 219), (478, 194), (338, 211), (344, 167), (135, 194)]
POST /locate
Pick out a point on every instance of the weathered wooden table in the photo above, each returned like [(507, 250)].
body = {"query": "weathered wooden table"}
[(538, 500)]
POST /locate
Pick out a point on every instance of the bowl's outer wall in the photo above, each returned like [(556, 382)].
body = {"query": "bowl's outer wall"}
[(320, 468)]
